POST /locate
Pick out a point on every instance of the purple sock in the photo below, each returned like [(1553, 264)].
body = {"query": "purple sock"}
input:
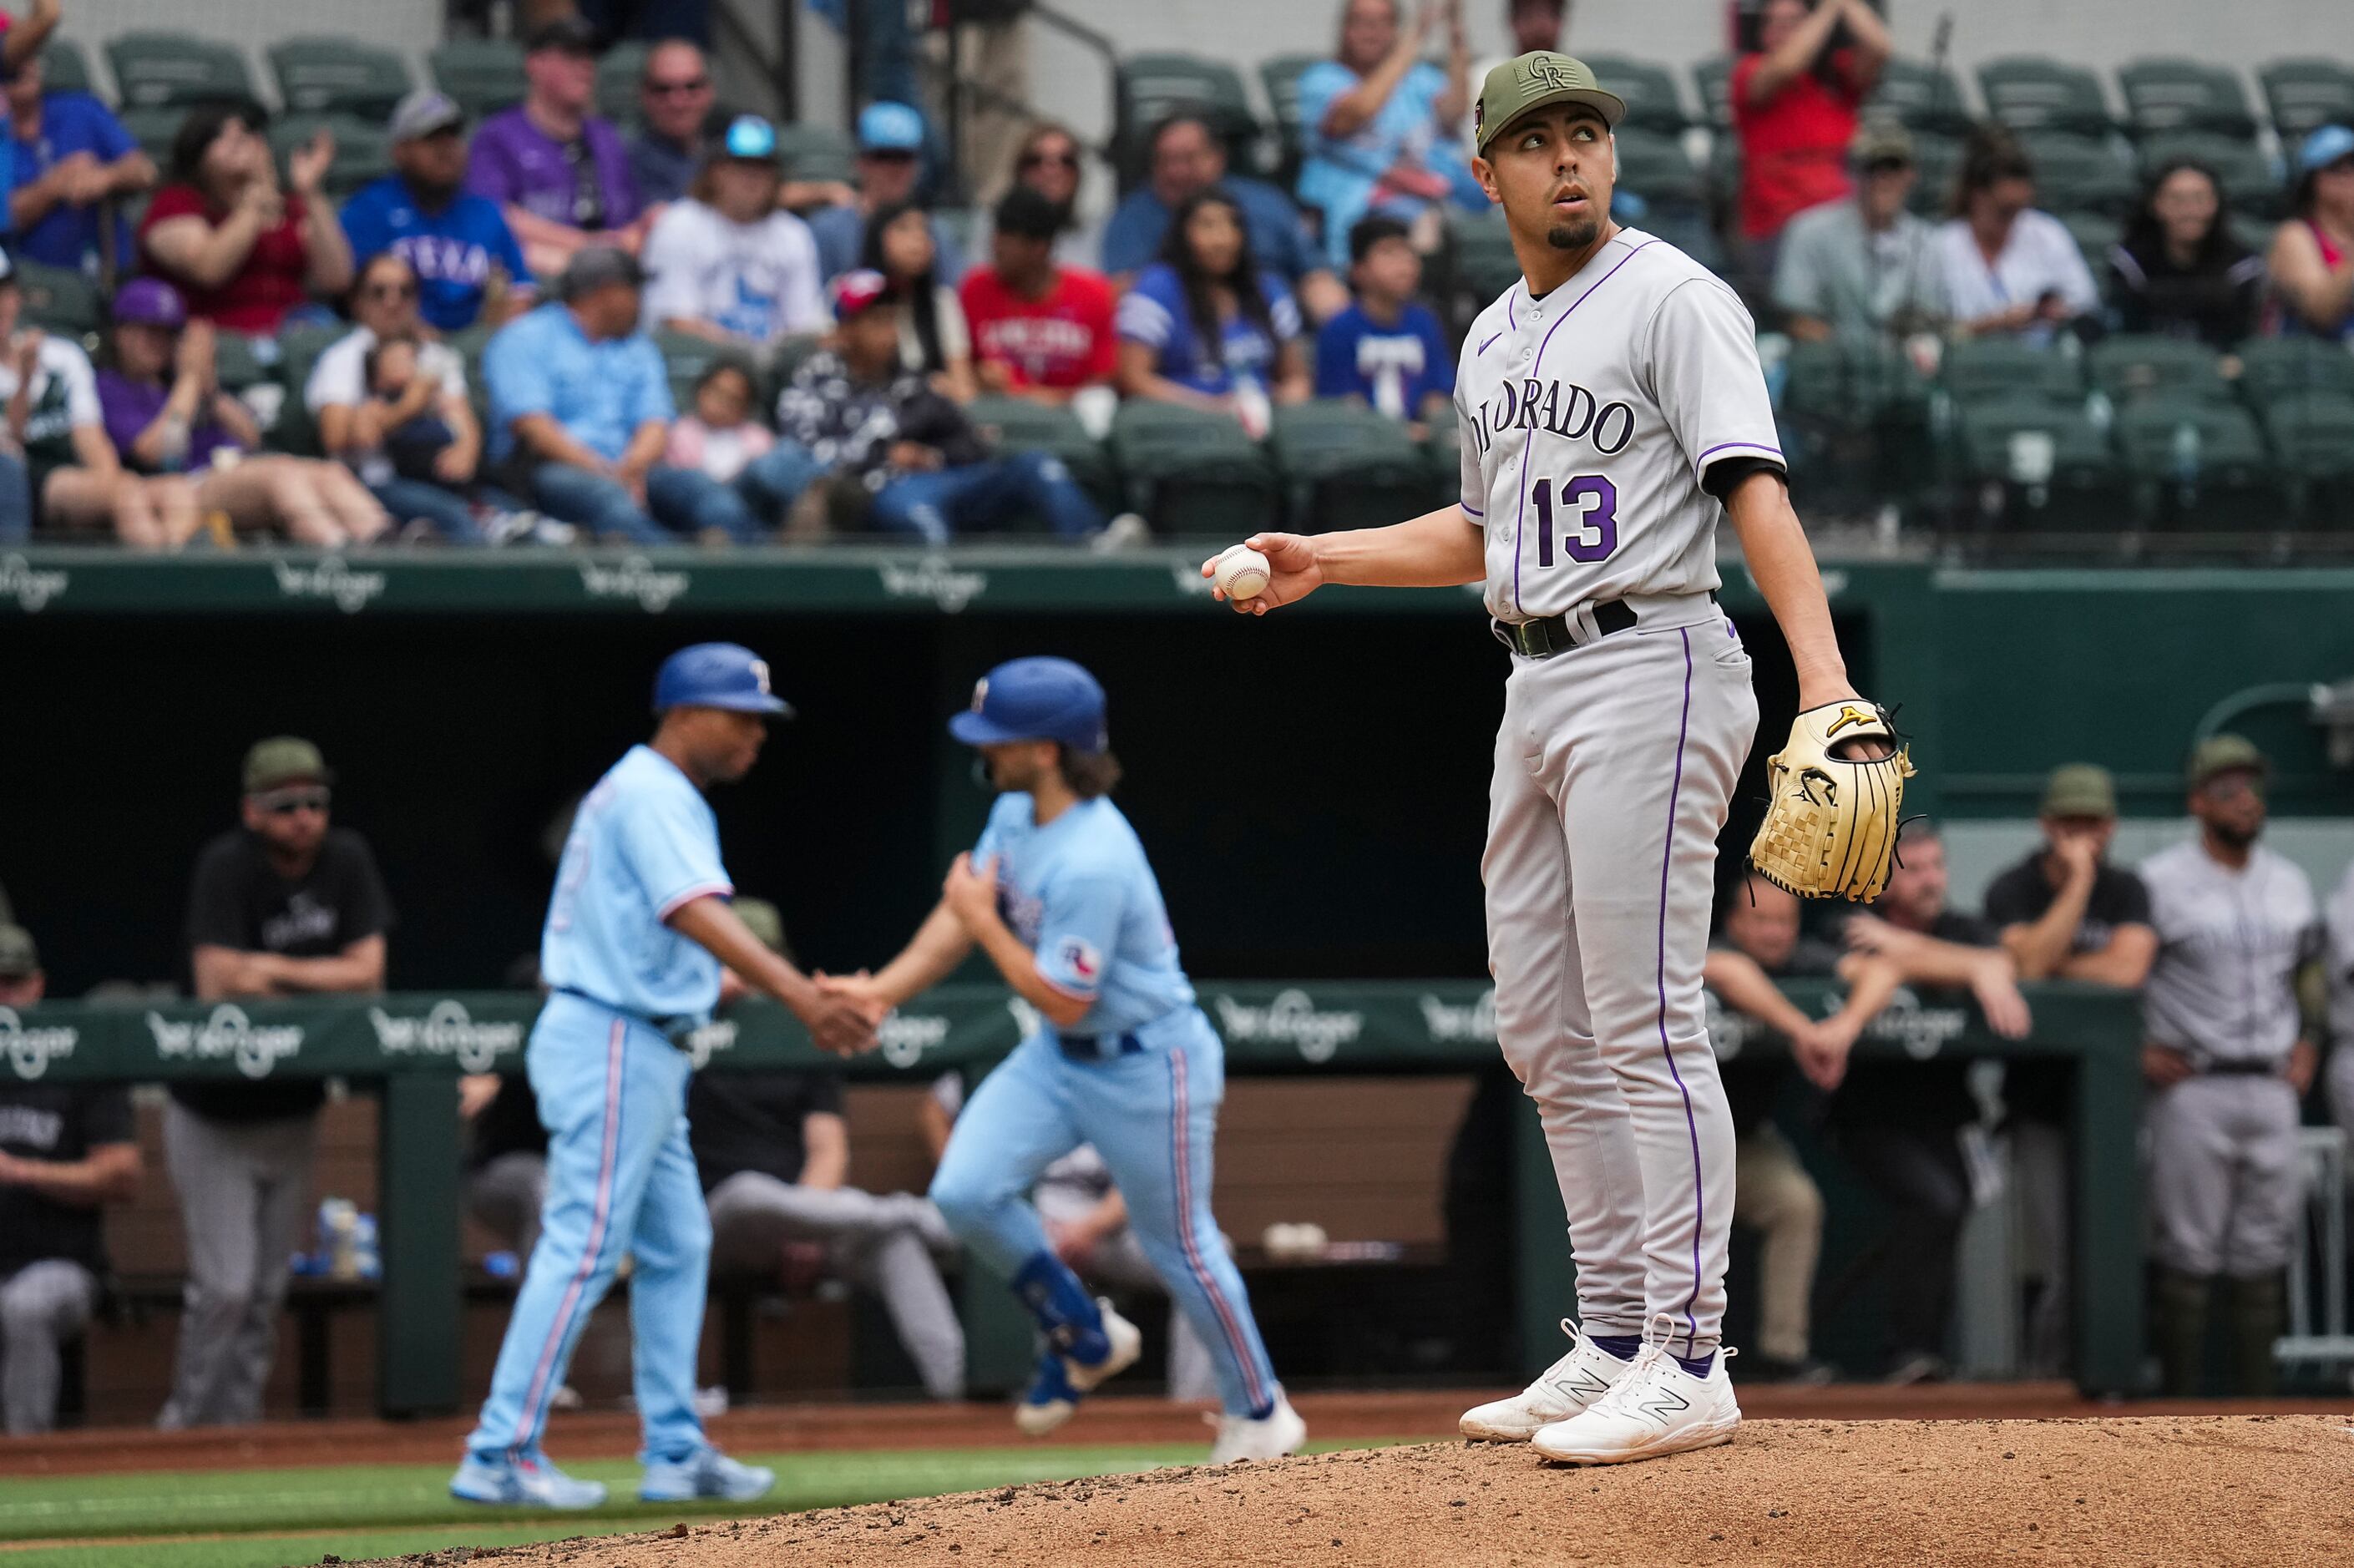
[(1697, 1365), (1624, 1346)]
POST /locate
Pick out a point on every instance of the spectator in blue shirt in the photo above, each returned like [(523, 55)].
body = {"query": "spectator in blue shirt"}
[(459, 245), (580, 411), (1380, 121), (1205, 327), (1186, 159), (1386, 349), (73, 156)]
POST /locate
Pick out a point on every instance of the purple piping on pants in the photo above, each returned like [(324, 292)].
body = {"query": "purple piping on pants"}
[(1667, 858)]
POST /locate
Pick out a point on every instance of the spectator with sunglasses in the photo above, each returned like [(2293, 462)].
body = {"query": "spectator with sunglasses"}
[(890, 165), (1861, 266), (284, 904), (674, 99), (1047, 162), (468, 267)]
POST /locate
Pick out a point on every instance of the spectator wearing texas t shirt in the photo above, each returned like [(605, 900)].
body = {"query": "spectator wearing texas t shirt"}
[(459, 245), (1794, 104), (1039, 331), (559, 173)]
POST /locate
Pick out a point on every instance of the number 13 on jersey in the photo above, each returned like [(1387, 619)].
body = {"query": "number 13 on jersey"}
[(1587, 507)]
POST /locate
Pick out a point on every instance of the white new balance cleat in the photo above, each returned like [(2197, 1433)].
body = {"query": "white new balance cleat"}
[(1270, 1436), (1566, 1387), (1657, 1409), (1127, 1341)]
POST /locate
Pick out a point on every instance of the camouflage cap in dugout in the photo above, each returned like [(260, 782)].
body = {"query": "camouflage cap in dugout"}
[(18, 957), (285, 759), (2223, 754), (2080, 789), (1533, 81), (763, 919)]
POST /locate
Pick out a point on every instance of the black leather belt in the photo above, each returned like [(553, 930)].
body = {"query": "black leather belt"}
[(1558, 634), (2242, 1067), (674, 1027), (1098, 1047)]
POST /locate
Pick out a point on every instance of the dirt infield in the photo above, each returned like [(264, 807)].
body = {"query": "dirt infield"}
[(2148, 1489)]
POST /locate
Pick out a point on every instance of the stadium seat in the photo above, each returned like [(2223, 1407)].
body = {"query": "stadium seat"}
[(2312, 436), (2302, 95), (1281, 78), (1020, 425), (300, 344), (2079, 174), (65, 67), (153, 128), (240, 362), (1937, 158), (2250, 183), (1993, 370), (618, 75), (1854, 423), (2271, 368), (1192, 472), (62, 302), (687, 357), (2167, 95), (1713, 77), (337, 76), (1345, 466), (363, 148), (2198, 466), (816, 152), (1653, 166), (1483, 265), (1649, 89), (1442, 456), (484, 75), (1150, 87), (2028, 92), (153, 69), (2096, 234), (2023, 463), (1924, 97), (2132, 367)]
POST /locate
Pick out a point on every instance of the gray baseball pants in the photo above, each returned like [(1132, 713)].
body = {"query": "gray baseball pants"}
[(1614, 768), (244, 1190), (42, 1305), (2224, 1184), (878, 1242), (506, 1194)]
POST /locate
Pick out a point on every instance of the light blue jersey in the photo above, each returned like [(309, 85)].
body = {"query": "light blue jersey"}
[(1081, 896), (643, 843)]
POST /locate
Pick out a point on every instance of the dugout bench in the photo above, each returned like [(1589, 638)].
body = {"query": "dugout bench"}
[(410, 1049)]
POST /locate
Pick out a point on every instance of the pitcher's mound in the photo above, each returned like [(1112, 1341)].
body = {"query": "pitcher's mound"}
[(2209, 1490)]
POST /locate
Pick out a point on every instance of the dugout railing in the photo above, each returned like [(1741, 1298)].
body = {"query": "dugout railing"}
[(409, 1049)]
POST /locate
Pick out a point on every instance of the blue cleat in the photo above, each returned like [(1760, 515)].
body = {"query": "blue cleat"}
[(530, 1482), (1049, 1400), (706, 1473)]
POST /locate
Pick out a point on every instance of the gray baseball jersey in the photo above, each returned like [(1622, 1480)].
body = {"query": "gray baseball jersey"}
[(2340, 923), (1586, 420), (2224, 987)]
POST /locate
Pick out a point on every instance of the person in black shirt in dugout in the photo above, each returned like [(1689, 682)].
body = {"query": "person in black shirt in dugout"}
[(286, 905)]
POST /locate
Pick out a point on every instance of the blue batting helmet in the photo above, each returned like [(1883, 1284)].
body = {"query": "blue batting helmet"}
[(1036, 699), (717, 676)]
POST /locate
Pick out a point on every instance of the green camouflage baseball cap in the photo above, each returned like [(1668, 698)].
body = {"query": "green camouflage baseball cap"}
[(2223, 754), (1533, 82), (765, 921), (2080, 789), (18, 956), (283, 759)]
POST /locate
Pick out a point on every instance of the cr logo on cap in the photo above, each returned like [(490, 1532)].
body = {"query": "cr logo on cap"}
[(1545, 70), (980, 694)]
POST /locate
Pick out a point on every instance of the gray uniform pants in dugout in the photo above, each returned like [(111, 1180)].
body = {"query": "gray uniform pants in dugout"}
[(2224, 1188), (1614, 768), (244, 1190), (42, 1305)]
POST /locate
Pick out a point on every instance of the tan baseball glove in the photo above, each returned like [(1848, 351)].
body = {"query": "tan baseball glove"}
[(1830, 824)]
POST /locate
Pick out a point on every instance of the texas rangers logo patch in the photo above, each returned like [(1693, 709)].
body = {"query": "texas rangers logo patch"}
[(1080, 959)]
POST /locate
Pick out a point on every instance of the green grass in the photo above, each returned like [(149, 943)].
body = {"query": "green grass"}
[(267, 1519)]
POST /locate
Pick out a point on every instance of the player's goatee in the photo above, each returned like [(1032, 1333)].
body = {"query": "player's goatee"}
[(1573, 235)]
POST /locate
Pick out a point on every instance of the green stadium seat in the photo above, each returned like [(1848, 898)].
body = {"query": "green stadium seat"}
[(1991, 370), (1924, 97), (154, 129), (2303, 95), (2131, 368), (484, 75), (337, 76), (1483, 263), (816, 152), (2312, 436), (1938, 159), (62, 302), (1150, 87), (363, 148), (1713, 77), (154, 68), (300, 344), (2028, 92), (687, 357), (65, 67), (2199, 466), (2250, 183), (2079, 174), (1346, 466), (1280, 79), (1442, 456), (1020, 424), (2028, 464), (2167, 95), (1192, 472), (2273, 368), (619, 73), (1653, 103), (1654, 167), (2096, 233), (240, 362)]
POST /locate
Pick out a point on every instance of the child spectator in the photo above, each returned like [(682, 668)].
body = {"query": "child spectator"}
[(1386, 349), (398, 418), (1040, 329), (720, 438)]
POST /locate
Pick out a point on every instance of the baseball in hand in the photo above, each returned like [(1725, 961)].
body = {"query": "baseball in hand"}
[(1242, 574)]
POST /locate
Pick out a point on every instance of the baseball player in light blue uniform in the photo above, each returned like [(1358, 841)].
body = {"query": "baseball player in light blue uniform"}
[(636, 931), (1059, 896)]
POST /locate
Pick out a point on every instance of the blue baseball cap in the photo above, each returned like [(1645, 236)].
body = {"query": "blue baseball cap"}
[(2324, 147), (1036, 699), (717, 676), (751, 139), (888, 127)]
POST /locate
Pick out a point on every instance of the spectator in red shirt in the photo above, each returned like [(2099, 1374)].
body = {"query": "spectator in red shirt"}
[(241, 252), (1039, 331), (1794, 104)]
